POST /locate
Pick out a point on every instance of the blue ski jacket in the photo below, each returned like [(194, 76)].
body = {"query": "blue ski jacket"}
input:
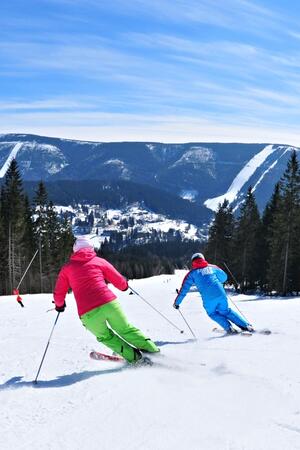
[(207, 278)]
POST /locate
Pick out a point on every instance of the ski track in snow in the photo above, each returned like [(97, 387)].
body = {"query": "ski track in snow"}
[(232, 393), (270, 168), (11, 156), (241, 178), (262, 177)]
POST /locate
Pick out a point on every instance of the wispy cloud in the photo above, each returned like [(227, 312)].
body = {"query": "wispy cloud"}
[(88, 64), (176, 129), (229, 14), (44, 105)]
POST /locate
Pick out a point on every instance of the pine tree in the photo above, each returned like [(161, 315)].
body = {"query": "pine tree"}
[(283, 273), (3, 244), (60, 239), (13, 219), (54, 238), (219, 245), (30, 247), (269, 213), (41, 232), (247, 243)]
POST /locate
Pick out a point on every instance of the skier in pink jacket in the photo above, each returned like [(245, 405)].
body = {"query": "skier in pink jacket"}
[(99, 311)]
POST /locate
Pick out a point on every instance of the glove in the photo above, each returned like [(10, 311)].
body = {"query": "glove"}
[(60, 308), (175, 306)]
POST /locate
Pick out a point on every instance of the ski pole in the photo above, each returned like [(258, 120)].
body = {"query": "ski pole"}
[(158, 312), (16, 290), (235, 305), (35, 380), (27, 269), (233, 277), (187, 324), (237, 284)]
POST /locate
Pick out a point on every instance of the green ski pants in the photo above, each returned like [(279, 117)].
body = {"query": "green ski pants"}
[(110, 326)]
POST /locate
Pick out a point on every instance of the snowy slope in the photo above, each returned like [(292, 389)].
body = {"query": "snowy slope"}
[(241, 178), (245, 174), (10, 157), (233, 393)]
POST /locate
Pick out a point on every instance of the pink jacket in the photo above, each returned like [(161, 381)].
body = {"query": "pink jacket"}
[(86, 275)]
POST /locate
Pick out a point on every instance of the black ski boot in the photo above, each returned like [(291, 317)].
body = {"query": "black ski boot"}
[(248, 328), (140, 359)]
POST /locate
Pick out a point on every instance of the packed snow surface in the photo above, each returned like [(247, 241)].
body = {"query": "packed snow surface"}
[(218, 393)]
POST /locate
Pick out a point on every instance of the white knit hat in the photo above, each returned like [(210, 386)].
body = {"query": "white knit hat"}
[(197, 255), (82, 242)]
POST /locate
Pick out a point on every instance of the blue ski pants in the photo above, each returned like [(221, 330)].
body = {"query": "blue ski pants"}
[(219, 311)]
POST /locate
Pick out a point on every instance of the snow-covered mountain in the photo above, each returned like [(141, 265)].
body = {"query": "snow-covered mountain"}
[(216, 393), (200, 173)]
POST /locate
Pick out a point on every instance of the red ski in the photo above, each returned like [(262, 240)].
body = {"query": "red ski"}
[(104, 357)]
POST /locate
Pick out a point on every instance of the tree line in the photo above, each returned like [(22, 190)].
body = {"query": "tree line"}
[(33, 231), (30, 232), (261, 252), (154, 258)]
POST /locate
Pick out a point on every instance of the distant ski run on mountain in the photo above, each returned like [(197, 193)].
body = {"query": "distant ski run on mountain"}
[(242, 177), (11, 156)]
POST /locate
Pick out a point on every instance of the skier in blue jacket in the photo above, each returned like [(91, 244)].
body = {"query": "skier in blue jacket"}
[(209, 281)]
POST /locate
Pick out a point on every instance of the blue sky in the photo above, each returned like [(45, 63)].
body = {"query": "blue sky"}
[(151, 70)]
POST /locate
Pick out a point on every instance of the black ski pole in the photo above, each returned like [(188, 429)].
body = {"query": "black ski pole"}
[(232, 276), (158, 312), (187, 324), (35, 380)]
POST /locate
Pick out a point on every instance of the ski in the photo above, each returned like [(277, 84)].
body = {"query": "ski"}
[(98, 356), (105, 357), (264, 331)]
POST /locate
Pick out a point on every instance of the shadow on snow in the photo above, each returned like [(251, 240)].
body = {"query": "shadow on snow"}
[(76, 377), (162, 343), (61, 381)]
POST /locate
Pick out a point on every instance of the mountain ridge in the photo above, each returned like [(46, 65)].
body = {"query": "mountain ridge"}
[(196, 171)]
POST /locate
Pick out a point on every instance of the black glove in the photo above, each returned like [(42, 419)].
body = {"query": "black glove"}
[(60, 308), (175, 306)]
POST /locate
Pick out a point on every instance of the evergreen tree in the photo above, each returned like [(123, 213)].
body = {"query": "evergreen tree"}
[(219, 245), (246, 261), (54, 238), (41, 232), (60, 239), (267, 234), (30, 248), (283, 273), (3, 244), (13, 219)]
